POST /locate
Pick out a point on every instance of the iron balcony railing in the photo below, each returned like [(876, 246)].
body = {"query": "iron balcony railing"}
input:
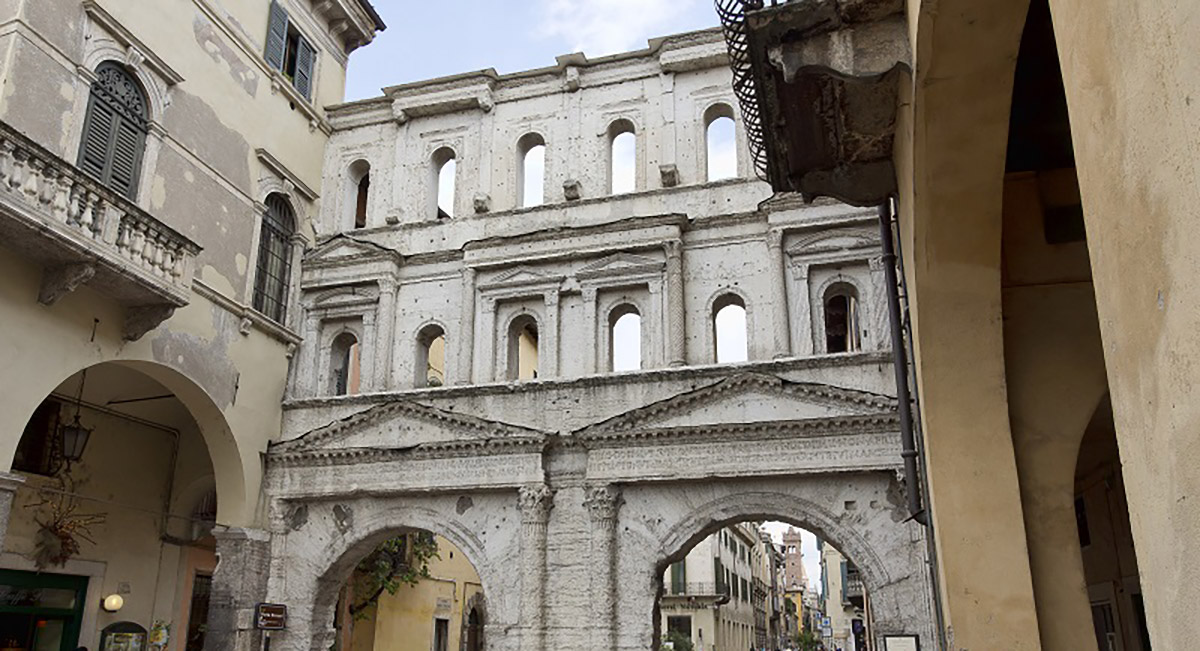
[(53, 212), (733, 23)]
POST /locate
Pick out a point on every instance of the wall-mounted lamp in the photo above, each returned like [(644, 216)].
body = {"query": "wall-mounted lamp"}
[(112, 603), (75, 435)]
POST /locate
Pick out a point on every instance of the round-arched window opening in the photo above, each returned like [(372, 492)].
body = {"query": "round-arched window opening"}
[(344, 365), (431, 357), (445, 166), (359, 175), (842, 333), (523, 348), (729, 329), (622, 143), (625, 338), (531, 170), (720, 138)]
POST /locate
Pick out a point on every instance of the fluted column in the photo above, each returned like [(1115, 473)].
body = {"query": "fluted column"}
[(466, 338), (676, 323), (310, 366), (492, 367), (878, 329), (535, 501), (385, 328), (591, 331), (602, 504), (781, 320), (368, 352), (548, 347), (803, 309)]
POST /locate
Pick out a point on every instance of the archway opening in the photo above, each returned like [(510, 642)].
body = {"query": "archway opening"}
[(755, 584), (119, 467), (414, 590), (344, 365), (431, 356), (445, 168), (720, 142), (358, 192), (523, 348), (842, 330), (729, 329), (622, 159), (625, 338), (531, 170)]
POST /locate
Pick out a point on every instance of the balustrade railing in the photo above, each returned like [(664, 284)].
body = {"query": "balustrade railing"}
[(69, 203)]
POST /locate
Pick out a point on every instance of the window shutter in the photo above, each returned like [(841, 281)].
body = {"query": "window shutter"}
[(126, 159), (277, 22), (97, 133), (305, 56)]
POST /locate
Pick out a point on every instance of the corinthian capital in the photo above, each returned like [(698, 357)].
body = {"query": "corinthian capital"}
[(535, 501), (602, 501)]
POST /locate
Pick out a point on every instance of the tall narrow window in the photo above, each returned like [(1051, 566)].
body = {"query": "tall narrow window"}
[(679, 577), (523, 348), (720, 142), (622, 145), (841, 320), (729, 329), (431, 357), (444, 167), (441, 634), (344, 365), (531, 170), (359, 191), (114, 130), (288, 51), (625, 338), (474, 631), (274, 266)]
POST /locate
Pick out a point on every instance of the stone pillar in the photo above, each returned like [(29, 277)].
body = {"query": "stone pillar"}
[(803, 312), (239, 583), (676, 322), (466, 326), (778, 275), (652, 334), (591, 331), (535, 501), (602, 503), (492, 368), (878, 328), (548, 348), (9, 483), (385, 328), (368, 353), (292, 296), (310, 365)]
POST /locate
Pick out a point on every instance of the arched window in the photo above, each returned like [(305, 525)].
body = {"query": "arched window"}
[(360, 184), (431, 356), (523, 348), (720, 139), (729, 329), (114, 130), (531, 170), (625, 338), (274, 267), (841, 320), (474, 631), (444, 168), (344, 365), (622, 149)]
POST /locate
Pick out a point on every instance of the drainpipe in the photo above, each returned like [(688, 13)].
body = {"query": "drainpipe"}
[(916, 509)]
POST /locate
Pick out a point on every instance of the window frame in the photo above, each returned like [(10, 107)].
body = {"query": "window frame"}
[(274, 228), (128, 113), (280, 30)]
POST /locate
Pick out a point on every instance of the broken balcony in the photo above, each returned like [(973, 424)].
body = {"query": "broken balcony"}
[(82, 232)]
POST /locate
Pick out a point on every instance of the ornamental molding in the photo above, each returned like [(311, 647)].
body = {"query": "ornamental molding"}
[(842, 240), (621, 265), (341, 249)]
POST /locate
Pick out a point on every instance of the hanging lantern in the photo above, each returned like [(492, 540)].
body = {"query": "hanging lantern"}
[(74, 439)]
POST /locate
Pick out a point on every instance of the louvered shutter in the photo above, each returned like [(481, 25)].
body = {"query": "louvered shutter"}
[(305, 56), (97, 135), (277, 23), (128, 143)]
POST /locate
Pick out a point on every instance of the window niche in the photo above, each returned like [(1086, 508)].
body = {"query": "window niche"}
[(622, 156), (523, 348), (431, 357), (720, 140), (344, 365), (841, 316), (445, 167), (359, 192), (625, 338), (729, 329), (531, 170)]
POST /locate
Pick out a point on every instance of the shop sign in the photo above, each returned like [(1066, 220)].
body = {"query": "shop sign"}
[(270, 617)]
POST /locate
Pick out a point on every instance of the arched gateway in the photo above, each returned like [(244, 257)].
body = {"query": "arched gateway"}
[(572, 515)]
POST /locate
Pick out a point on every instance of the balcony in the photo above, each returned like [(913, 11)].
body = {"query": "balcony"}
[(82, 232), (854, 589)]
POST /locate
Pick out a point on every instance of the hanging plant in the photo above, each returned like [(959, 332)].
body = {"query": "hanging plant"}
[(61, 523)]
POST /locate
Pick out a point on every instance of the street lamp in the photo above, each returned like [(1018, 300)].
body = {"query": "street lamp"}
[(74, 436)]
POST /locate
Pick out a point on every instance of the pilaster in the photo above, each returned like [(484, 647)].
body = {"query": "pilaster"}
[(602, 503), (591, 330), (466, 340), (385, 328), (535, 502), (676, 323), (548, 350), (239, 584), (780, 319)]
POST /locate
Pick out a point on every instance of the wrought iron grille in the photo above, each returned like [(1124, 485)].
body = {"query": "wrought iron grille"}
[(733, 24), (274, 259)]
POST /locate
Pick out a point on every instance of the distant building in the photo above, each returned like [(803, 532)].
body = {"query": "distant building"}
[(843, 601)]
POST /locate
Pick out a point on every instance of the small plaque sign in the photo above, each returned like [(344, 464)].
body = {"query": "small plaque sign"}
[(901, 643), (270, 617)]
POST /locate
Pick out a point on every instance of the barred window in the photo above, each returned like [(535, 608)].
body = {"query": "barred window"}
[(114, 129), (274, 259)]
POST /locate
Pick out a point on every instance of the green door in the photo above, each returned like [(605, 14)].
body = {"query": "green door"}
[(40, 612)]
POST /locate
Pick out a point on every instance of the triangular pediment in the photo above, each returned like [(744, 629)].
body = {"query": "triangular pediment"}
[(620, 263), (747, 398), (401, 425), (524, 276), (342, 248), (846, 239)]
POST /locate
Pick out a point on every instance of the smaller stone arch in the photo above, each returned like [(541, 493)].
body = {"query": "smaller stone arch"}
[(424, 359), (856, 311), (615, 310), (473, 623), (715, 111), (521, 327), (719, 299)]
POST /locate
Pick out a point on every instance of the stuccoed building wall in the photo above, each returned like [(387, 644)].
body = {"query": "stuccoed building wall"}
[(166, 310)]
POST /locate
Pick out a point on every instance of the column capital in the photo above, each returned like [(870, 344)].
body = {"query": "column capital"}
[(673, 248), (602, 501), (535, 501), (551, 298), (775, 238)]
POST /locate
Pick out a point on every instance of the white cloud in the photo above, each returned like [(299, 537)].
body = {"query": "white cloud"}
[(599, 27)]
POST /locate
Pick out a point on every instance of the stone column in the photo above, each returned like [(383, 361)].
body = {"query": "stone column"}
[(385, 328), (602, 503), (803, 316), (310, 366), (878, 328), (778, 276), (292, 296), (9, 483), (652, 335), (591, 331), (466, 325), (676, 322), (535, 501), (492, 368), (367, 354), (239, 583), (548, 347)]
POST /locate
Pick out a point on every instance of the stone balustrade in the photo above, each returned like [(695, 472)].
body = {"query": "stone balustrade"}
[(82, 231)]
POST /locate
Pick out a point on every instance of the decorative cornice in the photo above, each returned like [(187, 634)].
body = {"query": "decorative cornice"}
[(257, 319), (126, 38), (744, 432), (272, 163), (440, 450)]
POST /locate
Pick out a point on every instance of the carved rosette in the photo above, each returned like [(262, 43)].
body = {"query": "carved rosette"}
[(535, 502), (602, 503)]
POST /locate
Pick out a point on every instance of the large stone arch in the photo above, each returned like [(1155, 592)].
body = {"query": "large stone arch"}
[(316, 545), (862, 514)]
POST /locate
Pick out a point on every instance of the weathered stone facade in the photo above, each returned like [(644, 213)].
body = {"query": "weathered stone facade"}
[(572, 493)]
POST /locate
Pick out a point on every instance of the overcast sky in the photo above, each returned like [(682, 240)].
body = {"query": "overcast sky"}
[(808, 549), (433, 39)]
